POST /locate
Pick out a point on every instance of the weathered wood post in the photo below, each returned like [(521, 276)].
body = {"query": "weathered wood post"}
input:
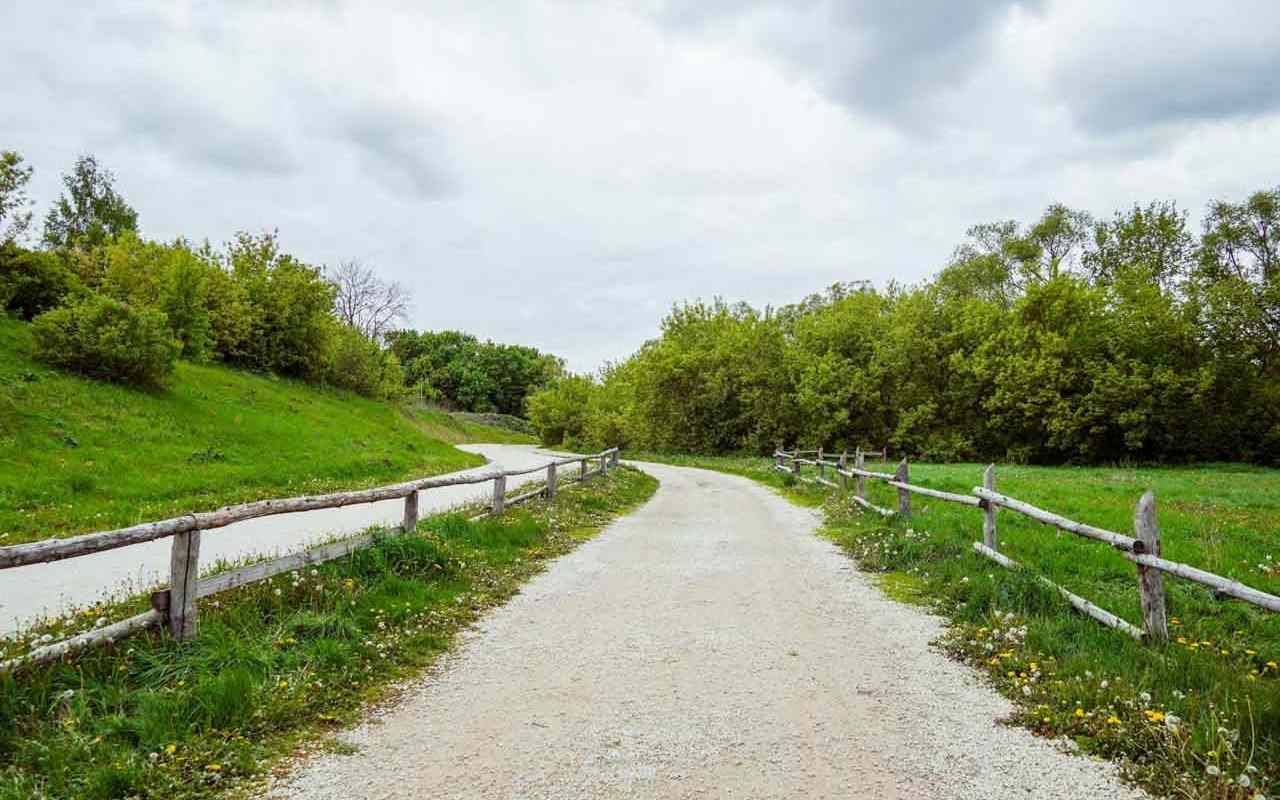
[(844, 466), (184, 572), (604, 464), (822, 470), (551, 481), (617, 454), (989, 509), (1150, 581), (904, 497), (859, 459), (410, 512), (499, 493), (795, 461), (582, 474)]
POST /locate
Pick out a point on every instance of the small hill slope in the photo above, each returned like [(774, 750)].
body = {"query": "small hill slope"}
[(79, 454)]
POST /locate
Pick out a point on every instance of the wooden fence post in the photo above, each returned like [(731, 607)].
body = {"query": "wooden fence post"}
[(617, 454), (822, 470), (604, 464), (904, 497), (795, 462), (499, 494), (410, 512), (582, 475), (551, 481), (844, 466), (859, 459), (989, 510), (184, 572), (1150, 581)]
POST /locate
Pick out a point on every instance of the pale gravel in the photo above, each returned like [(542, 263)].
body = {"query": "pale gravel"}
[(707, 645)]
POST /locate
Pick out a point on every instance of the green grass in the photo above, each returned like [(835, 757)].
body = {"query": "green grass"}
[(279, 663), (1218, 678), (79, 455), (460, 428)]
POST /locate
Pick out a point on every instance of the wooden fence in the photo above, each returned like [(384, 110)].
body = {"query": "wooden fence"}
[(176, 604), (1142, 548)]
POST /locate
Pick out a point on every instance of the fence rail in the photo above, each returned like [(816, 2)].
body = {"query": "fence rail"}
[(1142, 548), (176, 604)]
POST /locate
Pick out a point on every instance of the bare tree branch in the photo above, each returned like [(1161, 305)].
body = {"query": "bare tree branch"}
[(366, 302)]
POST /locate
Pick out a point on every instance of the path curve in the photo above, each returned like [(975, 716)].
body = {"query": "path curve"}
[(707, 645), (30, 592)]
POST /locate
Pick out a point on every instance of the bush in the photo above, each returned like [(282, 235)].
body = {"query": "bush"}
[(33, 282), (357, 363), (105, 338)]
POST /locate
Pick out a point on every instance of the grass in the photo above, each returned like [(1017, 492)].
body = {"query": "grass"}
[(1197, 718), (79, 455), (458, 427), (278, 664)]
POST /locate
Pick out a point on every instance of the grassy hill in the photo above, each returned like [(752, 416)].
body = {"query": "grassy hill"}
[(79, 455)]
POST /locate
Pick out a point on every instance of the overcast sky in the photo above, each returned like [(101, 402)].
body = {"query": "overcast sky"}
[(559, 173)]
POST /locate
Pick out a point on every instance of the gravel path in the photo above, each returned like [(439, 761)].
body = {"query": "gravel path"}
[(707, 645)]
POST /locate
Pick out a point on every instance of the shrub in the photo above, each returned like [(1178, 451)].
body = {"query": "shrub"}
[(105, 338), (357, 363), (33, 282)]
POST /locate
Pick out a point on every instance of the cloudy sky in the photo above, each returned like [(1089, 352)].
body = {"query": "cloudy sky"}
[(558, 173)]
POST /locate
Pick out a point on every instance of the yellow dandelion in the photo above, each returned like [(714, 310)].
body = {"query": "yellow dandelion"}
[(1079, 712), (213, 767), (1113, 720), (171, 749)]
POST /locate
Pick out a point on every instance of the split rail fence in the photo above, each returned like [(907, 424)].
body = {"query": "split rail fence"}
[(176, 605), (1142, 548)]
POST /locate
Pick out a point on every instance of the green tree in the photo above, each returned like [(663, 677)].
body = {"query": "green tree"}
[(1152, 240), (90, 212), (15, 213)]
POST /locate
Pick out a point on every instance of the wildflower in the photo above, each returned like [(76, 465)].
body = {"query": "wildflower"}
[(1104, 684), (1079, 712), (1172, 721), (1113, 720), (1026, 690), (1154, 716), (99, 622), (1244, 781), (170, 749), (213, 767), (1212, 771)]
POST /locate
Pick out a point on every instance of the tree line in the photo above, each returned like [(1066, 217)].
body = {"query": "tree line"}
[(1069, 340), (108, 303)]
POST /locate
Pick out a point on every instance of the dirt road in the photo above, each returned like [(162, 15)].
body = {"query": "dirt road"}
[(708, 645)]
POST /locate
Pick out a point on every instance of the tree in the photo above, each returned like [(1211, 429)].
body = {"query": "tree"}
[(1058, 236), (1153, 240), (366, 302), (15, 216), (90, 212), (1243, 239)]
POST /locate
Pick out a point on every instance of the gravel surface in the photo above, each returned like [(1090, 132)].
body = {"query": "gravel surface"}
[(707, 645)]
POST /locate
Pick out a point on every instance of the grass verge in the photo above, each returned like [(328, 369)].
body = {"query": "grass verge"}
[(78, 454), (278, 663), (1198, 718)]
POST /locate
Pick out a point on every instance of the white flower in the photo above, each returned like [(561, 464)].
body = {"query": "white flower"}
[(45, 639), (99, 622), (1026, 690), (1145, 697), (1212, 771), (1105, 684), (1172, 721), (1244, 781)]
